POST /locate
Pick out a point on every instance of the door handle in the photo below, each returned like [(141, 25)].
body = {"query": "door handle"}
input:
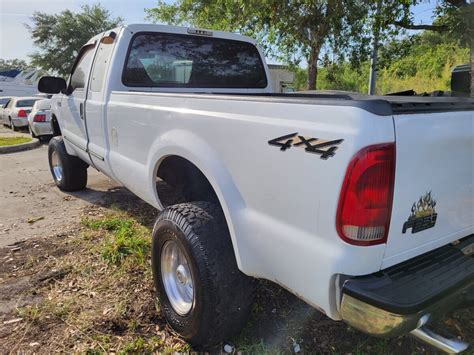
[(81, 110)]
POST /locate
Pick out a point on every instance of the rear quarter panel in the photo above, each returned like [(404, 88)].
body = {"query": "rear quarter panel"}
[(280, 205)]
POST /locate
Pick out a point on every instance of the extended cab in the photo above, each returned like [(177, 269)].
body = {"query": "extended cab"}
[(360, 205)]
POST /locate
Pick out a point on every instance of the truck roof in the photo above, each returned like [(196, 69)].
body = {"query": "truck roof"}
[(146, 27)]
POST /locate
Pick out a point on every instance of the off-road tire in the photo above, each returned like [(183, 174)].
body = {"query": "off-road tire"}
[(74, 170), (223, 295)]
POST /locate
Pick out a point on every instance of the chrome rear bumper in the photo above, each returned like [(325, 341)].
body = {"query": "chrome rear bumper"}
[(380, 323), (405, 298)]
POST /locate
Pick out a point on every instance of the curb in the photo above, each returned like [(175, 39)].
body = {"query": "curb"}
[(19, 147)]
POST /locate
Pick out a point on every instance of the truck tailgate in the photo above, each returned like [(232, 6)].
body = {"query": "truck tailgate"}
[(433, 200)]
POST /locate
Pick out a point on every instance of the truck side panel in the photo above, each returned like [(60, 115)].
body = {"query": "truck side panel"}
[(271, 239)]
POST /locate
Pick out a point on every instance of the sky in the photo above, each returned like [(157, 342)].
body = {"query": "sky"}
[(15, 41)]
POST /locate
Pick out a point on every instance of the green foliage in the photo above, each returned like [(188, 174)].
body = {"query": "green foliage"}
[(126, 239), (287, 30), (426, 67), (422, 62), (59, 37), (9, 64)]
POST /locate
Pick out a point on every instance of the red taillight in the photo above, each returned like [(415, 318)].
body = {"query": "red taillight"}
[(21, 113), (365, 203), (39, 117)]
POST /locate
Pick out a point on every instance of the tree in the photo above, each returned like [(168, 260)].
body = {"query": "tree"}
[(10, 64), (454, 18), (60, 36), (290, 30)]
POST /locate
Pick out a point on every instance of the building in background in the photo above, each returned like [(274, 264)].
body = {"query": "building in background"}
[(282, 78)]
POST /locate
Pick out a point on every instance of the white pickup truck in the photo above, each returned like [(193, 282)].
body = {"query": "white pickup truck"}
[(360, 205)]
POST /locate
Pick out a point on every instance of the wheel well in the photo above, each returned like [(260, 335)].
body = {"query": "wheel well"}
[(55, 126), (178, 180)]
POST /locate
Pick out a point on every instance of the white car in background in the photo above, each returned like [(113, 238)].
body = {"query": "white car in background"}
[(39, 119), (3, 101), (15, 113)]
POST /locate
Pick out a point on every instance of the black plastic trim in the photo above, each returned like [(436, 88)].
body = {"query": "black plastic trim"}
[(418, 283)]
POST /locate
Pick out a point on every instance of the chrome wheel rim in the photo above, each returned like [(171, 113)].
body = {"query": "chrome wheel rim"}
[(57, 167), (177, 278)]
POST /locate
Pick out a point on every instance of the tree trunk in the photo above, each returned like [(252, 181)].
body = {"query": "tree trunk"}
[(313, 68), (472, 68)]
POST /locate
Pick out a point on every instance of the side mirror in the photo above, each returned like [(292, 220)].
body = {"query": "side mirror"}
[(51, 85)]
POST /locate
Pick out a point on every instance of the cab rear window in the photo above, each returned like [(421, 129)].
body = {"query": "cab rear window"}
[(177, 60), (25, 103)]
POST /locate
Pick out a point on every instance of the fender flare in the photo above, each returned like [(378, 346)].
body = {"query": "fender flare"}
[(193, 148)]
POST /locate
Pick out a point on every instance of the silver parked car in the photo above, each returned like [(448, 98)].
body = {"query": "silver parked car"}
[(15, 113), (39, 119)]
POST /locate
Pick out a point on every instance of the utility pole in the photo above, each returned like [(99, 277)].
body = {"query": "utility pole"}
[(373, 66), (375, 44)]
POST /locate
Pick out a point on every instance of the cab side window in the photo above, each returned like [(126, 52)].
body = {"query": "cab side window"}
[(81, 71)]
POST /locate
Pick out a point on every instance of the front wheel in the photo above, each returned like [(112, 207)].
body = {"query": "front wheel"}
[(202, 293), (69, 172)]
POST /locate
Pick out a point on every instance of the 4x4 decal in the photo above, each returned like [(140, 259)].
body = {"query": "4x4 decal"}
[(319, 146)]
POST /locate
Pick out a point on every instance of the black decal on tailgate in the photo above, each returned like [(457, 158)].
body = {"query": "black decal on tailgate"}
[(423, 215)]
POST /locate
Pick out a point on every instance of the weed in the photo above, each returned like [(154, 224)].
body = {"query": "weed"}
[(259, 347), (137, 345), (30, 313), (125, 238)]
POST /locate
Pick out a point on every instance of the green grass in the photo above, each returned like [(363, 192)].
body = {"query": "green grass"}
[(5, 141), (125, 239)]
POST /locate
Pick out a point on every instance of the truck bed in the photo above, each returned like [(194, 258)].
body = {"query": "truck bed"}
[(380, 105)]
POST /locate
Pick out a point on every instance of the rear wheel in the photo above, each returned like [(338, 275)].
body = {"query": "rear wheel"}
[(33, 135), (12, 125), (203, 295), (69, 172)]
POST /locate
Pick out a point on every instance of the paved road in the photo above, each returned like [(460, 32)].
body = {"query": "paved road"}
[(30, 203)]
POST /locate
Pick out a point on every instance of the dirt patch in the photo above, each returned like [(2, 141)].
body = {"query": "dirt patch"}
[(90, 289)]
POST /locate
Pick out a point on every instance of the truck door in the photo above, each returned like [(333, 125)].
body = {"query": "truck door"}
[(96, 103), (72, 105)]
